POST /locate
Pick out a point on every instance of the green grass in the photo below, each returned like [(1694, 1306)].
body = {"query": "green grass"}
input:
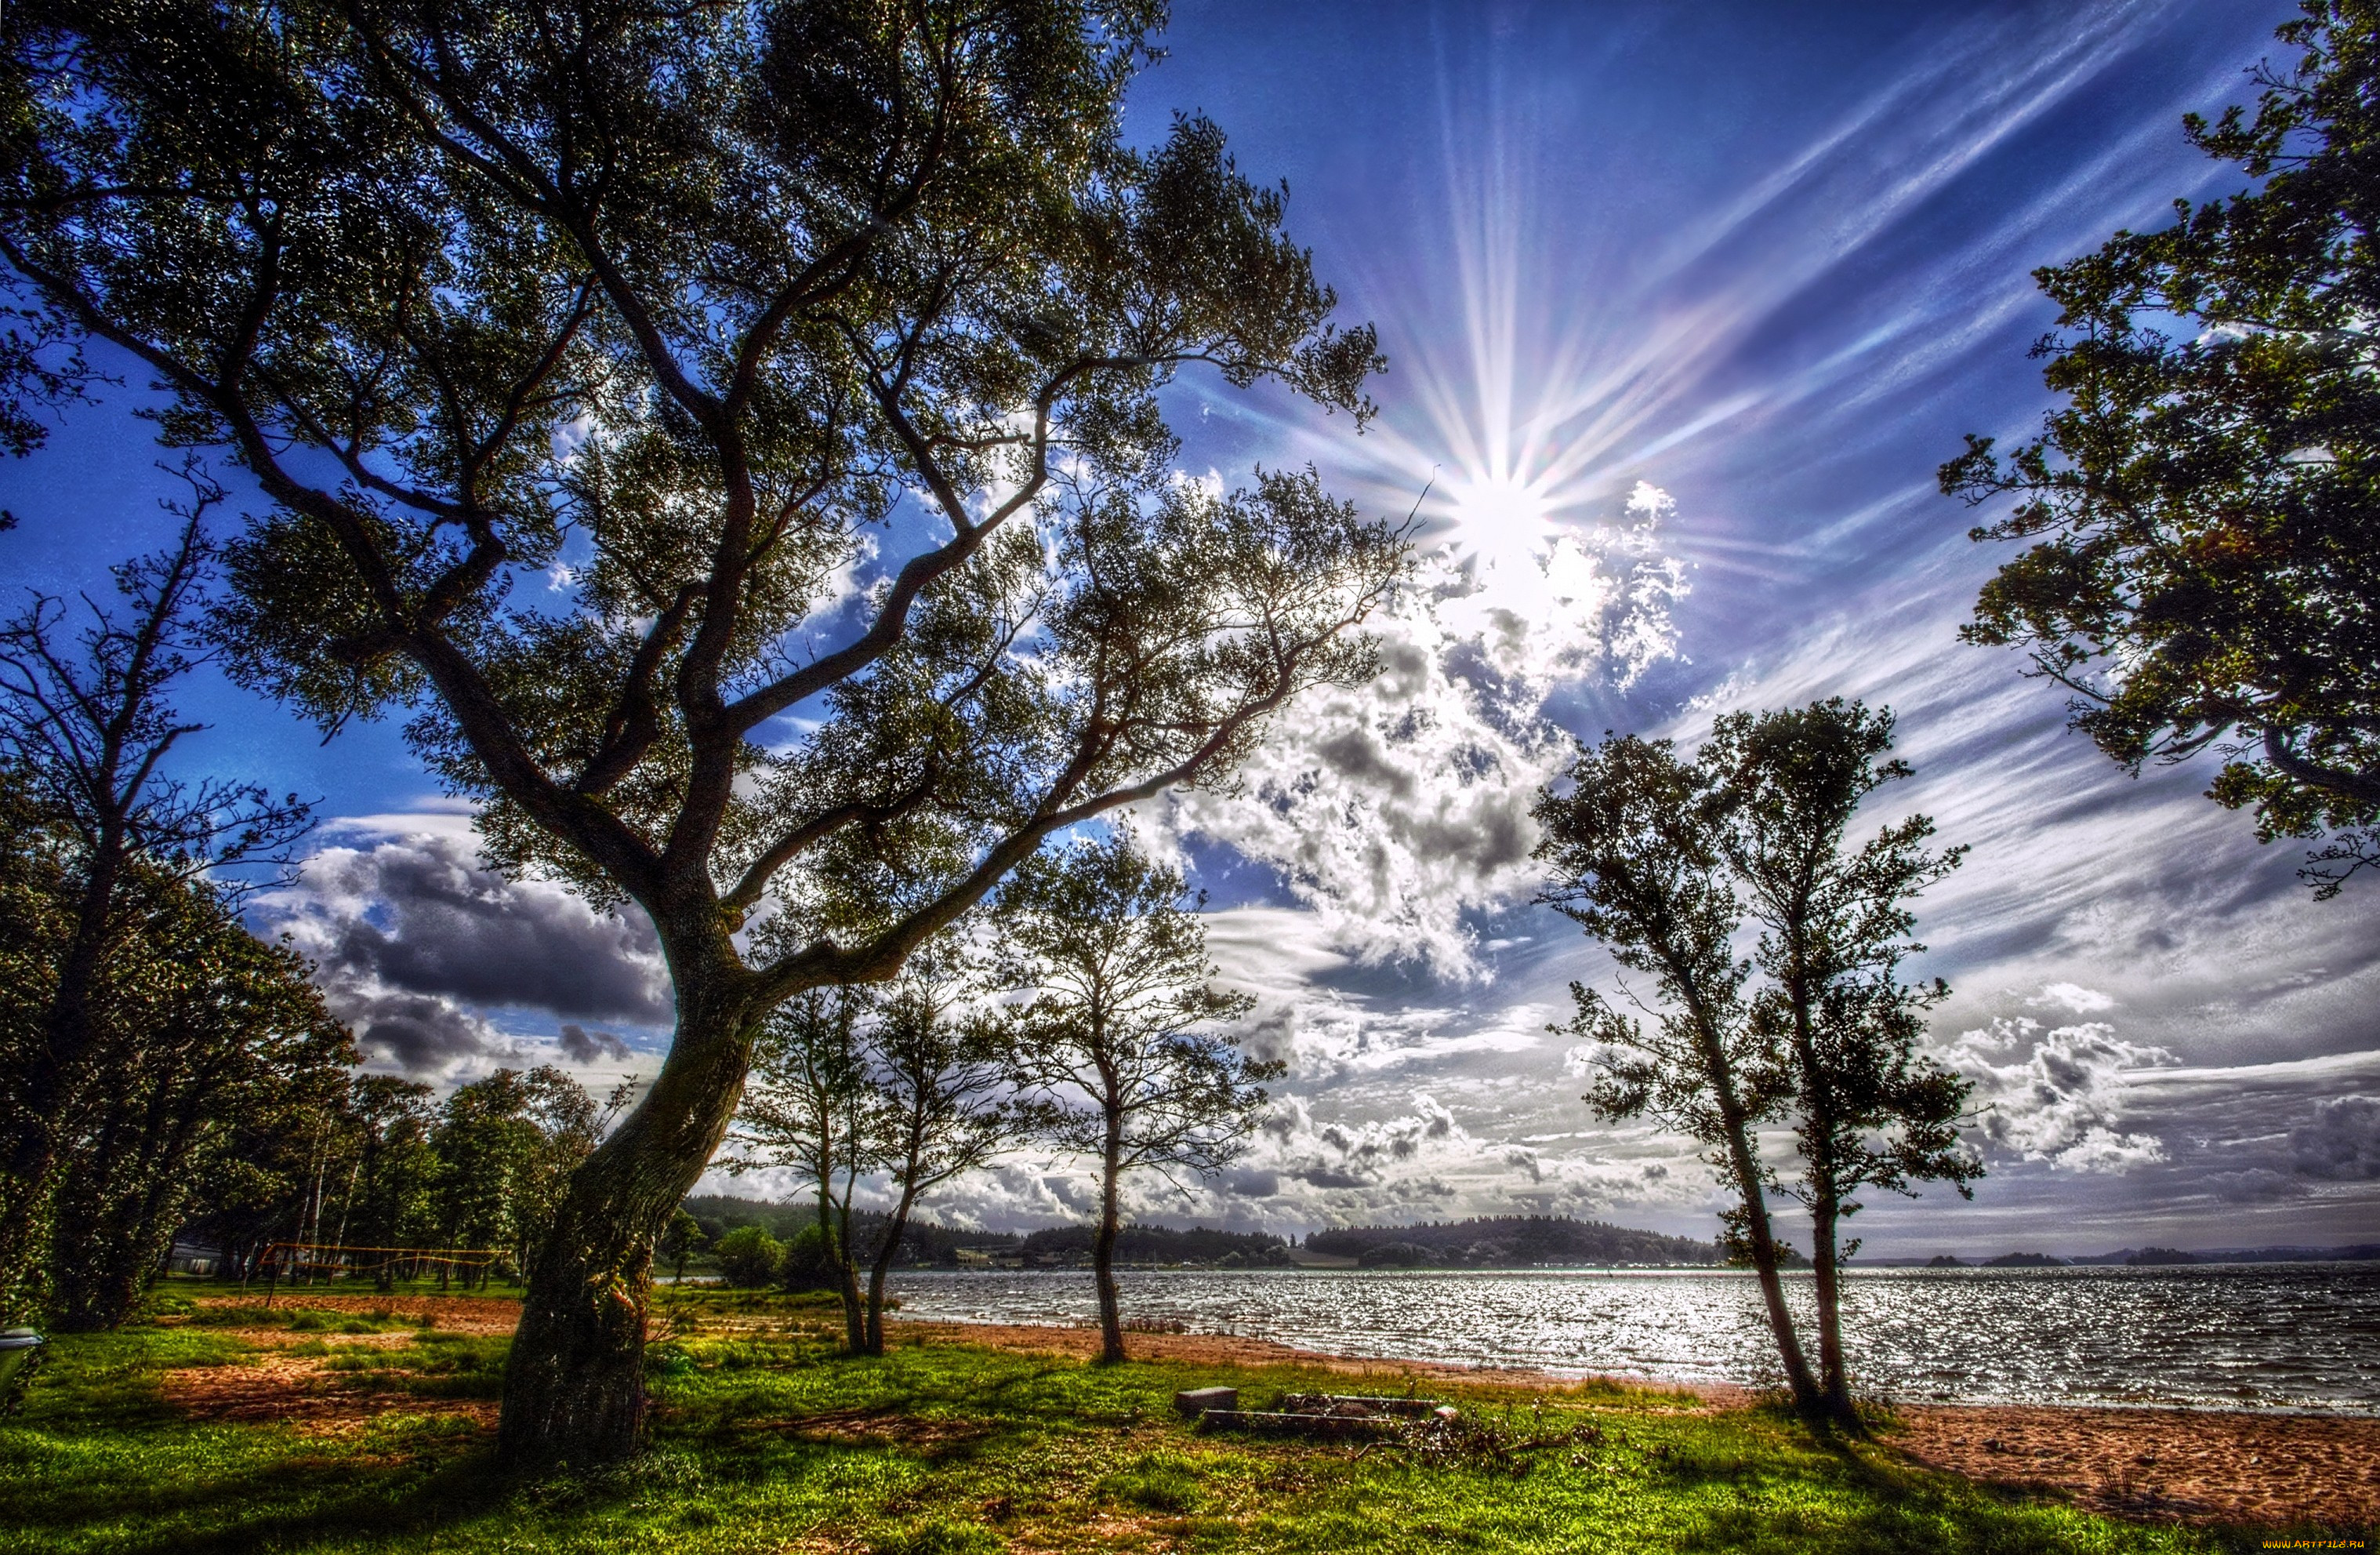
[(767, 1441)]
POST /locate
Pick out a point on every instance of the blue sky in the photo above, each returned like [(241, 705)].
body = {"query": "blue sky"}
[(1684, 305)]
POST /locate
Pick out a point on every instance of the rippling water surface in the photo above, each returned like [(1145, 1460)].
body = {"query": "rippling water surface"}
[(2279, 1336)]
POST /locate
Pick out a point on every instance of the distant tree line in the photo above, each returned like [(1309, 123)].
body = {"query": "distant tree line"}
[(1508, 1241)]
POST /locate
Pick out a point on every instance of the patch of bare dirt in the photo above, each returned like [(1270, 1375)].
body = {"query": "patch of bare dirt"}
[(450, 1314), (281, 1389), (2270, 1471), (877, 1427)]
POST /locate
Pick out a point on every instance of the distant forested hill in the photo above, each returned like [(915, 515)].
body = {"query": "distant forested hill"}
[(1228, 1249), (1508, 1241), (921, 1241)]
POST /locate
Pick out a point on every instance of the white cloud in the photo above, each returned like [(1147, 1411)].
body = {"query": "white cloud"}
[(1393, 808), (2063, 1098), (2073, 998)]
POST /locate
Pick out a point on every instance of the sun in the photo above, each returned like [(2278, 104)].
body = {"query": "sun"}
[(1491, 506)]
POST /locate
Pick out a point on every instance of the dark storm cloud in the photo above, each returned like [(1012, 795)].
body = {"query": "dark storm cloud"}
[(419, 914), (2342, 1142), (418, 1033), (582, 1045)]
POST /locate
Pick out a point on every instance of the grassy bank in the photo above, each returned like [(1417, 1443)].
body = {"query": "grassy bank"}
[(169, 1439)]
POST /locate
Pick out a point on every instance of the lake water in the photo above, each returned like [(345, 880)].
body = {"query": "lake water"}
[(2264, 1336)]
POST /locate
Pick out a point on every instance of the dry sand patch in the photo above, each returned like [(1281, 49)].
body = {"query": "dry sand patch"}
[(2259, 1470)]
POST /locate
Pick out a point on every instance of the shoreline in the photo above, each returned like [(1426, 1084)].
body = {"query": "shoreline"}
[(2268, 1468), (2243, 1467), (1654, 1381)]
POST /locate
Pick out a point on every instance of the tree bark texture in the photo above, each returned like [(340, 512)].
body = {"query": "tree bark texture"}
[(883, 1266), (1826, 1267), (836, 1227), (1103, 1243), (575, 1387), (1757, 1228)]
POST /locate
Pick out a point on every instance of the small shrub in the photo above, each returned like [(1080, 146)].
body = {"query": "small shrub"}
[(748, 1256)]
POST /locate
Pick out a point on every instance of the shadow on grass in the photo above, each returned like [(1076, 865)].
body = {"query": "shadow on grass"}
[(233, 1506), (1797, 1490)]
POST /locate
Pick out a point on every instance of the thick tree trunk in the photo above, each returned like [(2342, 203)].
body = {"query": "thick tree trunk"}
[(1834, 1379), (878, 1270), (1104, 1245), (575, 1387)]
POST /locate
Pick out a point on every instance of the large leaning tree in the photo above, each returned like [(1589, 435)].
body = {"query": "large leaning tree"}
[(2205, 508), (731, 432)]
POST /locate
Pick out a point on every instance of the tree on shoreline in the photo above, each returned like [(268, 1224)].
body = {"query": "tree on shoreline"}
[(807, 1107), (1867, 1110), (943, 1105), (585, 355), (2205, 508), (1118, 1037), (1664, 861), (1635, 861)]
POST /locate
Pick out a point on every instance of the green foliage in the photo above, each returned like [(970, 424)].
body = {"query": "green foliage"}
[(1124, 1031), (1123, 1034), (2205, 507), (137, 1014), (504, 1146), (1665, 861), (769, 1439), (674, 305), (750, 1256)]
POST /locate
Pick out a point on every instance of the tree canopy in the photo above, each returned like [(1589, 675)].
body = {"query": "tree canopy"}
[(1668, 862), (1125, 1037), (2205, 507), (731, 436)]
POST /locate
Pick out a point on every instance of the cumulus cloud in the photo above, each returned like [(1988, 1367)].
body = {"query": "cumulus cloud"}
[(582, 1045), (412, 939), (2073, 998), (2062, 1098), (1393, 808), (419, 1033), (2341, 1143)]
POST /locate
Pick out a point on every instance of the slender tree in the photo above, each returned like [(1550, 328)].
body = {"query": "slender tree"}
[(1635, 859), (941, 1072), (1869, 1109), (88, 727), (2203, 509), (1121, 1036), (583, 352), (810, 1107), (683, 1240)]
